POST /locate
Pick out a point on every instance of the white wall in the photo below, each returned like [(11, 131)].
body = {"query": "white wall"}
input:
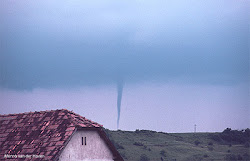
[(95, 150)]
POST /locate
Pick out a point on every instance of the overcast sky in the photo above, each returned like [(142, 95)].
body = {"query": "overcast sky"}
[(181, 62)]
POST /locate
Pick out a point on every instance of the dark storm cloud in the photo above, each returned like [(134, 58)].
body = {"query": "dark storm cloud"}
[(71, 43)]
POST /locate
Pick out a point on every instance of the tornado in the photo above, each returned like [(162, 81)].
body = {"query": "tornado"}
[(119, 100)]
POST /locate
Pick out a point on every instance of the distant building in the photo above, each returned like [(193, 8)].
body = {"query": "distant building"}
[(58, 135)]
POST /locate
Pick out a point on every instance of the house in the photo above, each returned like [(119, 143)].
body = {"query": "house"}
[(58, 135)]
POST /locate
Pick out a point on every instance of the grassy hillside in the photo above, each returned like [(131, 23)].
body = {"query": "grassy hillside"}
[(156, 146)]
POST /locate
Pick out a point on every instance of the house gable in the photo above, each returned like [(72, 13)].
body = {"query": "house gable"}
[(86, 145)]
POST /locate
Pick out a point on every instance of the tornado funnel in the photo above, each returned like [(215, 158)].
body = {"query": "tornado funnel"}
[(119, 100)]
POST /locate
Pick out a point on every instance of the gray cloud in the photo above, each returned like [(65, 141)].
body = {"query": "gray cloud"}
[(74, 43)]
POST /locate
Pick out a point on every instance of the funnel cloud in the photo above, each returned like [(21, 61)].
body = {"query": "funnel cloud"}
[(119, 99)]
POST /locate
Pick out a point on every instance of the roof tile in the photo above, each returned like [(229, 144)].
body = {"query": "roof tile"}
[(70, 128), (4, 135), (60, 143)]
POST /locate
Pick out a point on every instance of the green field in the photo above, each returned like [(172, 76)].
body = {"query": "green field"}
[(156, 146)]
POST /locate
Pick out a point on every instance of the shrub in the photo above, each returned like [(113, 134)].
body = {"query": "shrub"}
[(118, 146), (163, 153), (215, 137), (138, 144), (145, 132), (144, 157), (210, 148), (123, 154), (247, 145), (210, 143), (246, 156), (197, 142), (179, 138), (230, 157), (240, 157), (232, 136), (247, 132), (205, 156)]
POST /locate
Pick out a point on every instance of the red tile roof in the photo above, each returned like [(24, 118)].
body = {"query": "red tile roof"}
[(39, 133)]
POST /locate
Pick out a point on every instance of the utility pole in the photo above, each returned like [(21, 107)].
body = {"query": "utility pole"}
[(195, 128)]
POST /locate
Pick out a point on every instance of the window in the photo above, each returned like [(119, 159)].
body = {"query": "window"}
[(85, 140)]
